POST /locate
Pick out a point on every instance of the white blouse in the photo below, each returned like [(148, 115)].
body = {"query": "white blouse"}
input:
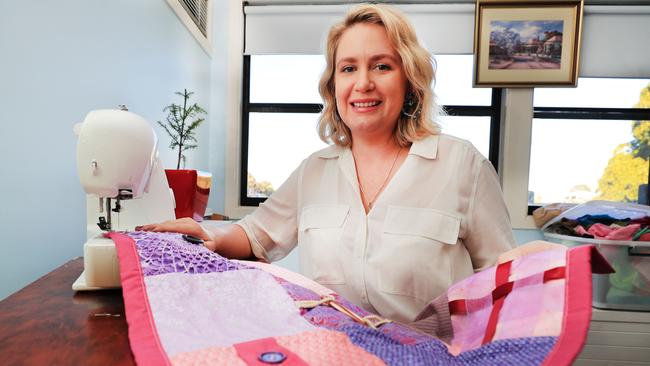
[(441, 217)]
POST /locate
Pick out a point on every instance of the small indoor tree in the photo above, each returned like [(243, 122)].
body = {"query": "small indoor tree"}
[(182, 122)]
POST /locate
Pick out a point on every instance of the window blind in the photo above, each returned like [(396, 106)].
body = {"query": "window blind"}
[(614, 38), (275, 29)]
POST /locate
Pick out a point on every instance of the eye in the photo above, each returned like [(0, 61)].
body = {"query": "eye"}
[(347, 69), (382, 67)]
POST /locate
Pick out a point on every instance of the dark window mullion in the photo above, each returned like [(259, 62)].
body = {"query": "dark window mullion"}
[(468, 110), (285, 108), (495, 128), (452, 110), (591, 113), (244, 200), (532, 208), (253, 201)]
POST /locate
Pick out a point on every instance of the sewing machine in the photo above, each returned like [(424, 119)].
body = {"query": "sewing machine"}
[(126, 186)]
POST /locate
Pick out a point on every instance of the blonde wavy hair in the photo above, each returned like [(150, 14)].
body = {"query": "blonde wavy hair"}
[(417, 63)]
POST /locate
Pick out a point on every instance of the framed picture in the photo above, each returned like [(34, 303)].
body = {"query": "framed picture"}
[(527, 43)]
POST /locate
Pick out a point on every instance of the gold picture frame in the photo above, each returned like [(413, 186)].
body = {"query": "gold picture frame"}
[(527, 43)]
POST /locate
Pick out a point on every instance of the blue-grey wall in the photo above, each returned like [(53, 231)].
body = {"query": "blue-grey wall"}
[(219, 100), (59, 60)]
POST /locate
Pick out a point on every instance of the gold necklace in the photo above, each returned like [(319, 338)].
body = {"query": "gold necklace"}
[(381, 187)]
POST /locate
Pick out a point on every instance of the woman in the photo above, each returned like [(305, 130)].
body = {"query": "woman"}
[(393, 212)]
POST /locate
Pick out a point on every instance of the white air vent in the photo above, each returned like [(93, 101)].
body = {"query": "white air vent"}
[(196, 15), (198, 11)]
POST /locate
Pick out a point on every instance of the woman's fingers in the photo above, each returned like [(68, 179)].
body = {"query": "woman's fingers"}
[(150, 227), (183, 226), (160, 227)]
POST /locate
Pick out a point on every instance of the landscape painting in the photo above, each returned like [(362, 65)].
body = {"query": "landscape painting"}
[(520, 45)]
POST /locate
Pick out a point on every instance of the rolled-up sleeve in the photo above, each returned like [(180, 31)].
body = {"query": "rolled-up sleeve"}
[(489, 228), (272, 228)]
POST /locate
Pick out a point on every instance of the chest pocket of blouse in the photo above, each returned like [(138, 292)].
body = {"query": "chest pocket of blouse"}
[(319, 237), (416, 247)]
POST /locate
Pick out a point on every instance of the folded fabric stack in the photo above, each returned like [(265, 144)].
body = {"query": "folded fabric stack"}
[(603, 227), (187, 305)]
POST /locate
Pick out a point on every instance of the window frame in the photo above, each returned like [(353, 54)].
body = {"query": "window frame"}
[(492, 110), (627, 114)]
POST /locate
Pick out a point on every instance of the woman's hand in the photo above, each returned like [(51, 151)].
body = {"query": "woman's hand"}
[(183, 226)]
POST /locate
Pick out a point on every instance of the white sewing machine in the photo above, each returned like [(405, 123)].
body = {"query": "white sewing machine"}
[(126, 186)]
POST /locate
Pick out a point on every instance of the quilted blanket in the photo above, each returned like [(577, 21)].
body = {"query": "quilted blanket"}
[(186, 305)]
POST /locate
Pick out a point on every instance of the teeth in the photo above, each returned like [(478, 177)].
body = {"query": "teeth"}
[(366, 104)]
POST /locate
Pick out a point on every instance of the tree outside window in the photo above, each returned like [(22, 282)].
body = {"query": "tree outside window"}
[(628, 167)]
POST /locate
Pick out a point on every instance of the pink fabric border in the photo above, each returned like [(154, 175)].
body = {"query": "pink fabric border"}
[(577, 305), (143, 337)]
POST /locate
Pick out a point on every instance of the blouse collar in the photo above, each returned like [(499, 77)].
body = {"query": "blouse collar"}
[(426, 148)]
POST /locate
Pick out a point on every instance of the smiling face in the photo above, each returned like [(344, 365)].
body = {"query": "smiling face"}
[(369, 81)]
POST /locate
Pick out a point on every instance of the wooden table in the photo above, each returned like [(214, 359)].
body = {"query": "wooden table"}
[(46, 323)]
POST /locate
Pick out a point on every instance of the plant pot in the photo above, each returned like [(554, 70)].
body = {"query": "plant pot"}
[(183, 184), (191, 192)]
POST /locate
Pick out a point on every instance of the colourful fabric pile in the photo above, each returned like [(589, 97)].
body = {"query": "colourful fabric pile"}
[(603, 227), (187, 305), (632, 277)]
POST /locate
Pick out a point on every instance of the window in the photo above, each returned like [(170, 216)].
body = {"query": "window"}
[(591, 142), (281, 105), (280, 111), (472, 113)]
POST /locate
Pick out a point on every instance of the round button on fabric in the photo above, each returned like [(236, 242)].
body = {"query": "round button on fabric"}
[(272, 357)]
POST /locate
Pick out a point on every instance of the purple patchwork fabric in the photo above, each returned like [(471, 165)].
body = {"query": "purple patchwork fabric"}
[(521, 351), (162, 253), (297, 292)]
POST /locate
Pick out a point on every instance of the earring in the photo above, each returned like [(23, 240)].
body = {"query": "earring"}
[(411, 107)]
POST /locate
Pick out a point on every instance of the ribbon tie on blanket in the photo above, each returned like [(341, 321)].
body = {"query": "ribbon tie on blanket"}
[(372, 321), (503, 287)]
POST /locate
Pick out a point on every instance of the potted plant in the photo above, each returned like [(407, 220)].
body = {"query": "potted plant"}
[(180, 124)]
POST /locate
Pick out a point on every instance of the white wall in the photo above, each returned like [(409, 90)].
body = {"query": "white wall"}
[(59, 60)]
